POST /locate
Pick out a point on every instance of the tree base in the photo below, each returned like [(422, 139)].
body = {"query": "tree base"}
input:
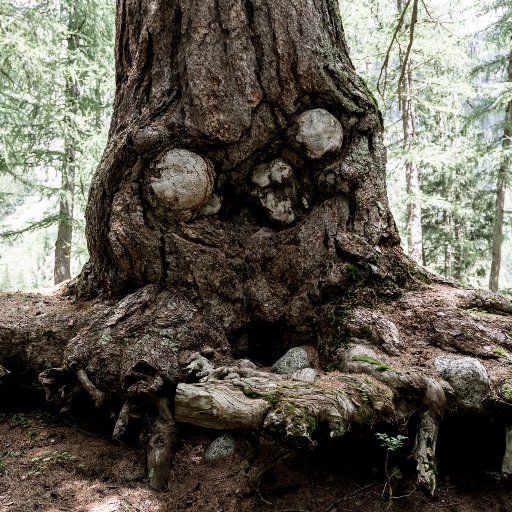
[(136, 366)]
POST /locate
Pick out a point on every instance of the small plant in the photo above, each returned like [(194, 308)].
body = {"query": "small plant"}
[(272, 398), (381, 367), (506, 391), (391, 444), (500, 352), (20, 420), (353, 272)]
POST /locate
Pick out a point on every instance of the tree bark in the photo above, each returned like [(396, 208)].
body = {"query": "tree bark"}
[(501, 187), (62, 264), (412, 174)]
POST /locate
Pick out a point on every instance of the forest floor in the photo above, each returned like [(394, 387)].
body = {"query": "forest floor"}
[(48, 465)]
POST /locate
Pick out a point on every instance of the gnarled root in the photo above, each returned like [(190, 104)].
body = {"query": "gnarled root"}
[(95, 393), (161, 446), (506, 465), (426, 437), (425, 451)]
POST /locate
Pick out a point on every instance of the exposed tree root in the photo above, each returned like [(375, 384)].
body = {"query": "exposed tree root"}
[(392, 368), (95, 393)]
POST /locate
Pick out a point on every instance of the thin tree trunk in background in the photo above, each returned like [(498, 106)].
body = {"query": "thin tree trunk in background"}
[(407, 107), (501, 186), (62, 267)]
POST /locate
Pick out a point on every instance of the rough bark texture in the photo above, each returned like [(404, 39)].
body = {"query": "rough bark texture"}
[(501, 187), (62, 264), (227, 81), (412, 173)]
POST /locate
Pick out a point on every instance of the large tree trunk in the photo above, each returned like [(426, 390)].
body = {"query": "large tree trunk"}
[(254, 111), (240, 210), (229, 81)]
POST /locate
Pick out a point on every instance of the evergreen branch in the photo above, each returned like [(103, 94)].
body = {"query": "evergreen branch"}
[(46, 222), (405, 64), (384, 67)]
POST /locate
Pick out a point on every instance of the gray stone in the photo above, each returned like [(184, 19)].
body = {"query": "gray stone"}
[(185, 180), (467, 377), (213, 205), (354, 359), (307, 375), (199, 365), (277, 172), (294, 360), (222, 447), (261, 175), (319, 132)]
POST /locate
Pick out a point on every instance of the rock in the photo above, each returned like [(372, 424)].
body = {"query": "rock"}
[(213, 205), (468, 378), (359, 358), (222, 447), (184, 180), (319, 132), (280, 171), (307, 375), (294, 360), (261, 175)]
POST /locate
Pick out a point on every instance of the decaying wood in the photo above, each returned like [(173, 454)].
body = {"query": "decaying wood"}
[(219, 407)]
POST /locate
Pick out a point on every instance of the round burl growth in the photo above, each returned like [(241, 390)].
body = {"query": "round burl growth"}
[(319, 132), (275, 190), (185, 180)]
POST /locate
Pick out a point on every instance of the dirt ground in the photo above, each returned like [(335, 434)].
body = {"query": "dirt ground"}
[(49, 466)]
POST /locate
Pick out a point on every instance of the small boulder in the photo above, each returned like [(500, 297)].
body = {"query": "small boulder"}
[(222, 447), (307, 375), (319, 132), (294, 360), (468, 378)]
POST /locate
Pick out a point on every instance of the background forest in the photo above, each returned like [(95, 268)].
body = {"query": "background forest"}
[(441, 71)]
